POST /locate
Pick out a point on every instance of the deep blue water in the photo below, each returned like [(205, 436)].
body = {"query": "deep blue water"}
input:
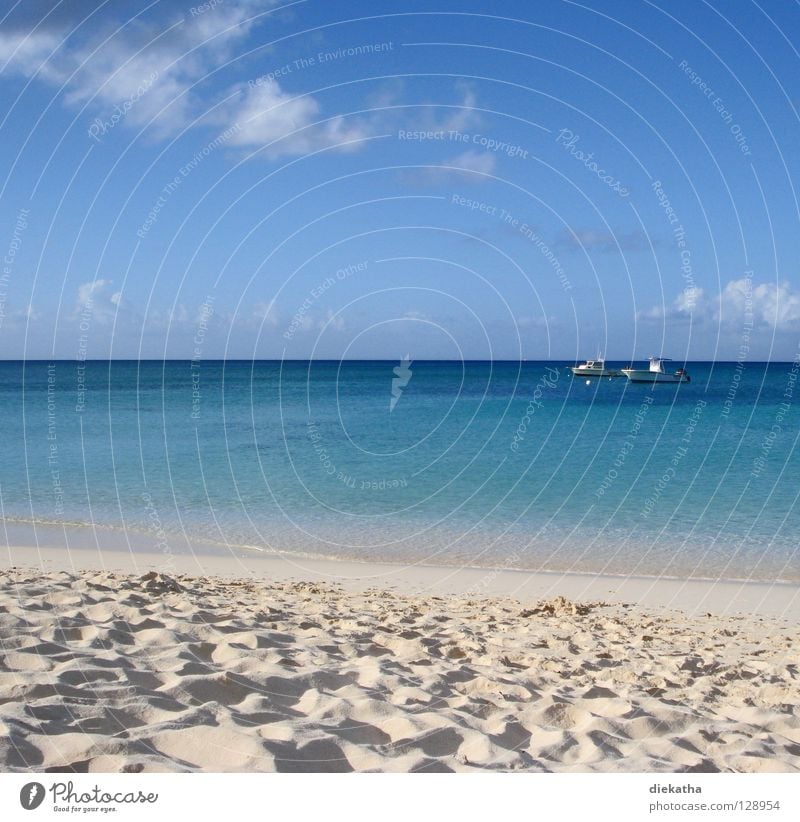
[(495, 464)]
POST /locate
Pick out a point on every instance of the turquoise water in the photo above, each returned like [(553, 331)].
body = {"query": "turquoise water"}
[(485, 464)]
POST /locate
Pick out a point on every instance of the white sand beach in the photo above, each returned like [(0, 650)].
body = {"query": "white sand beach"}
[(112, 663)]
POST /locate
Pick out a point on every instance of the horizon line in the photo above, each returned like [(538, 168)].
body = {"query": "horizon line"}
[(360, 359)]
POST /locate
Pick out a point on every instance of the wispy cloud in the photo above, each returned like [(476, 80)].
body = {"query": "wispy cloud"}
[(470, 167), (269, 118), (141, 64), (105, 55), (460, 116), (604, 241), (139, 68), (99, 300), (332, 322), (266, 313)]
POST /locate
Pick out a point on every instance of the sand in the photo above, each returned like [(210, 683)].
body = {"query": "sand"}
[(134, 670)]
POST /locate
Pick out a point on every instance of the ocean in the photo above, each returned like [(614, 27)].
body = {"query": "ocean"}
[(486, 464)]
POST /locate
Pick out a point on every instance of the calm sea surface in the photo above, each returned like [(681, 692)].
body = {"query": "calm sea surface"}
[(486, 464)]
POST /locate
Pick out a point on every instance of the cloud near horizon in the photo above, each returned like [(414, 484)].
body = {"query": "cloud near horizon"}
[(740, 302)]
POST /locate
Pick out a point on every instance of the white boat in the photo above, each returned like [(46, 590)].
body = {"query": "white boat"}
[(656, 372), (593, 368)]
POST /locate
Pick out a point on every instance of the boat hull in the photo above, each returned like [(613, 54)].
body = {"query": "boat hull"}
[(594, 372), (635, 375)]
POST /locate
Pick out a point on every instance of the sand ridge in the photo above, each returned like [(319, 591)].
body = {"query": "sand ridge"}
[(108, 672)]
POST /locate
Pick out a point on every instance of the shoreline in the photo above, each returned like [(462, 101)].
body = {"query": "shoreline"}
[(774, 600), (72, 534), (88, 538)]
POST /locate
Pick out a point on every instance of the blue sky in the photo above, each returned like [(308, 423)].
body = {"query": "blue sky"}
[(354, 179)]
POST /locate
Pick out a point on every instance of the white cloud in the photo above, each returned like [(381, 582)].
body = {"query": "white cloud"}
[(479, 162), (266, 313), (332, 322), (135, 63), (690, 299), (459, 117), (469, 167), (771, 305), (305, 323), (87, 291), (266, 116), (24, 51), (96, 300), (120, 60), (179, 318)]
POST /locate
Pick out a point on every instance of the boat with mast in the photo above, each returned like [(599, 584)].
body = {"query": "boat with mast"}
[(594, 368), (656, 372)]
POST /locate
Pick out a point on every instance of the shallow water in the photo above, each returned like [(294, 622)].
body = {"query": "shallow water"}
[(494, 464)]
